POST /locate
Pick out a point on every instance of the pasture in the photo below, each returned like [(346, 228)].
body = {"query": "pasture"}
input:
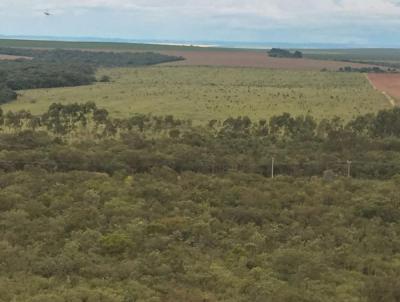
[(206, 93), (253, 58)]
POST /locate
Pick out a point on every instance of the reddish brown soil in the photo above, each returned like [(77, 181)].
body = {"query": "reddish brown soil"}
[(387, 83), (253, 59)]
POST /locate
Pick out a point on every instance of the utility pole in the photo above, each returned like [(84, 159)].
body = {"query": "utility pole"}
[(272, 167), (349, 168)]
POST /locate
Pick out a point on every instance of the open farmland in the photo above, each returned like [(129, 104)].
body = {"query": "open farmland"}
[(356, 54), (242, 58), (389, 84), (206, 93), (385, 57), (204, 56)]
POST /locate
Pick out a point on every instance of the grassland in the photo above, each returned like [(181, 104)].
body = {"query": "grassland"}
[(206, 93)]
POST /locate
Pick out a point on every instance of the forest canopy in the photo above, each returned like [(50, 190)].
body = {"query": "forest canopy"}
[(154, 209), (95, 58)]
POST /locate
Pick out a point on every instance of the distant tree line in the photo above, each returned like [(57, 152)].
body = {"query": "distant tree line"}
[(283, 53), (32, 74), (391, 66), (63, 68), (374, 69), (94, 58)]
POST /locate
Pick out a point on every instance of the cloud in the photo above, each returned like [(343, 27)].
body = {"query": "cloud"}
[(277, 9), (209, 18)]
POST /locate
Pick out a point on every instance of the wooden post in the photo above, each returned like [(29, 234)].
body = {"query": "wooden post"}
[(272, 167), (349, 168)]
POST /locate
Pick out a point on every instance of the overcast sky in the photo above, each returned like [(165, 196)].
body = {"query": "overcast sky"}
[(363, 22)]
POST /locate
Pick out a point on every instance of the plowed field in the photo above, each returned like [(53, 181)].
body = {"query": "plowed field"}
[(253, 59), (387, 83)]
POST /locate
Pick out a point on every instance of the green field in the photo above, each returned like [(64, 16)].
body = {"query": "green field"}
[(206, 93)]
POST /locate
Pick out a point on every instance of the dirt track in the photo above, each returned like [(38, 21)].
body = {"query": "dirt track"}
[(253, 59), (389, 84), (12, 58)]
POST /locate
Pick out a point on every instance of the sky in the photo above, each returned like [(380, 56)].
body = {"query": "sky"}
[(351, 22)]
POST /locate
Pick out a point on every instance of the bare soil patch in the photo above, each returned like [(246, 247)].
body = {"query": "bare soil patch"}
[(389, 84), (253, 59), (12, 58)]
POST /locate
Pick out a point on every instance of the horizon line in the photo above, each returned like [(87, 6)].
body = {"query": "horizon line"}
[(256, 45)]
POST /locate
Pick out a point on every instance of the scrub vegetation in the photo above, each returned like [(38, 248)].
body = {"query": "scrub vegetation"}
[(206, 93), (151, 208)]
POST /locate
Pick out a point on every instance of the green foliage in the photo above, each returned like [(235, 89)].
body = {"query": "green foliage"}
[(28, 75), (301, 145), (93, 58), (160, 210), (364, 69), (283, 53), (115, 243), (88, 236), (6, 94)]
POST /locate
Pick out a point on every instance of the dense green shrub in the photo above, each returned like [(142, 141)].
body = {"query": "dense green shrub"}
[(94, 58), (28, 75), (284, 53), (160, 210), (6, 94), (87, 236)]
